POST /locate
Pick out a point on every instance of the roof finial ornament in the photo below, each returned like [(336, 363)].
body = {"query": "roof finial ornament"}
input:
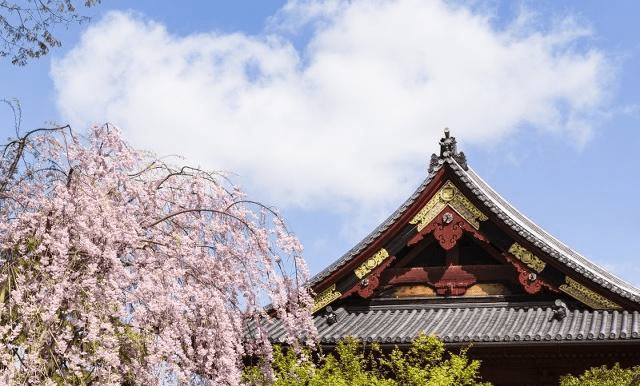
[(448, 149)]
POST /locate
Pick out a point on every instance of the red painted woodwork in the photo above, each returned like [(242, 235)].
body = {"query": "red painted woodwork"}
[(430, 275), (448, 235), (416, 275), (454, 281), (530, 281), (371, 282), (447, 227)]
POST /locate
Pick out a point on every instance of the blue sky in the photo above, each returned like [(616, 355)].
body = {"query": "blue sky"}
[(330, 110)]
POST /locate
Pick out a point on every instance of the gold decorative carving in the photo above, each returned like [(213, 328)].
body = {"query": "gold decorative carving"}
[(587, 296), (448, 194), (325, 298), (413, 291), (487, 289), (530, 260), (371, 263)]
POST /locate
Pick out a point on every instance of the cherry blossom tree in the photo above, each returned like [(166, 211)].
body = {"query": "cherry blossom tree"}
[(118, 268), (27, 26)]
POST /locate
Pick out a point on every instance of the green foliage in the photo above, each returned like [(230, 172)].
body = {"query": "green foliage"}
[(425, 363), (603, 376)]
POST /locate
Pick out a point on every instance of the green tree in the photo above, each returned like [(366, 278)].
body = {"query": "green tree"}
[(603, 376), (426, 363)]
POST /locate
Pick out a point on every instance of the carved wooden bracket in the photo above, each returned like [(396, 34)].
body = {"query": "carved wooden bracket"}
[(367, 286), (530, 281), (448, 227)]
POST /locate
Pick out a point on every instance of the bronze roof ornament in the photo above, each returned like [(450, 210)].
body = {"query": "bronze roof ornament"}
[(448, 149)]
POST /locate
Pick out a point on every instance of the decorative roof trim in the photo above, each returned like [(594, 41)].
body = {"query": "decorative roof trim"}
[(528, 258), (371, 263), (325, 298), (369, 239), (449, 195), (586, 296)]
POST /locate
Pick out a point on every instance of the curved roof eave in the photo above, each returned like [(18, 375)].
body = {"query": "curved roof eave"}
[(537, 236)]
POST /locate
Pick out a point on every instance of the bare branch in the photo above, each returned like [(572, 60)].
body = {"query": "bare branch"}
[(27, 26)]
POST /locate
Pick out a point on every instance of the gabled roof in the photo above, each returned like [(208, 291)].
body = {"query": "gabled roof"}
[(572, 273)]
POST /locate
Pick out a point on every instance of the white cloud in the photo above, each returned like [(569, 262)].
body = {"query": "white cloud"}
[(352, 117)]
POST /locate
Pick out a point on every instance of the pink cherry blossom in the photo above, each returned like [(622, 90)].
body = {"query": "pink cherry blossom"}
[(119, 268)]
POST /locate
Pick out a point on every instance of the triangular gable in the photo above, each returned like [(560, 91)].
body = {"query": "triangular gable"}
[(454, 204), (448, 195)]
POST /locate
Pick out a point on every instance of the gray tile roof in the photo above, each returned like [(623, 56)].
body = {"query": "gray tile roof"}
[(512, 218), (476, 323)]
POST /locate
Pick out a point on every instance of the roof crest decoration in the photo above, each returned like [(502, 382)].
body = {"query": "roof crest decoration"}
[(449, 195), (448, 149)]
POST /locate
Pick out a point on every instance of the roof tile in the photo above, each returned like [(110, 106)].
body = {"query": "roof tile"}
[(478, 323)]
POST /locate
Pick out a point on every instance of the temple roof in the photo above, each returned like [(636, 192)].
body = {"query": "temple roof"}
[(451, 165), (458, 261), (488, 323)]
